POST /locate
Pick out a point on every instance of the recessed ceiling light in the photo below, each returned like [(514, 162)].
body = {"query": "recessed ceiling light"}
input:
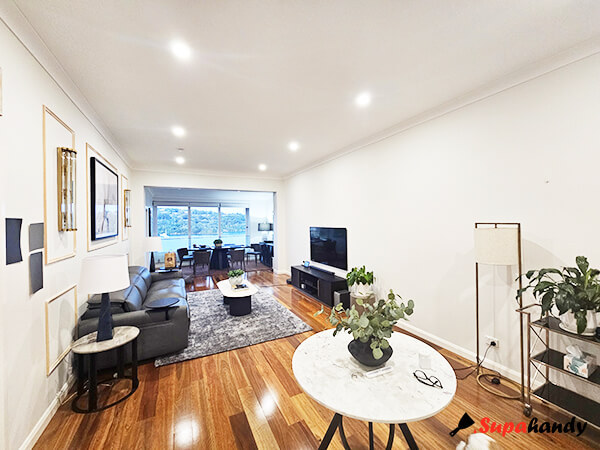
[(181, 50), (178, 131), (294, 146), (363, 99), (179, 159), (262, 167)]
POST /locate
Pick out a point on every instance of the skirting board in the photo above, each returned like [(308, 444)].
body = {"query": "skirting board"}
[(505, 371), (281, 272), (41, 424)]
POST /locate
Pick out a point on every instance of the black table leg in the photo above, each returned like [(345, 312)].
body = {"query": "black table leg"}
[(409, 437), (134, 364), (93, 388), (342, 434), (121, 362), (335, 422), (390, 441), (371, 439), (80, 374)]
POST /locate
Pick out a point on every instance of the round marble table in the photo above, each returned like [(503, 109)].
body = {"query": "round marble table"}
[(328, 374), (239, 300), (88, 346)]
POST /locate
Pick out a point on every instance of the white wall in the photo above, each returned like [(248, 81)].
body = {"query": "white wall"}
[(28, 396), (141, 179), (529, 154)]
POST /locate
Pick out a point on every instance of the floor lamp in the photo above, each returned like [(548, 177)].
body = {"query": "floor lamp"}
[(499, 244)]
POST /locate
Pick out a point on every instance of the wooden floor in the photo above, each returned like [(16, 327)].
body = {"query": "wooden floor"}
[(249, 399)]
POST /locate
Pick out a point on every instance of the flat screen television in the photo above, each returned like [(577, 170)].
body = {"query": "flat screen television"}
[(329, 246)]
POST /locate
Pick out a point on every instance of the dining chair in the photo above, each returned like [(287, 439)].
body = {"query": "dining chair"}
[(238, 256), (184, 256), (254, 252), (202, 258)]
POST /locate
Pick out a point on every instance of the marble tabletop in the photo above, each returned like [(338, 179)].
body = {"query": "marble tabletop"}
[(227, 290), (121, 336), (328, 374)]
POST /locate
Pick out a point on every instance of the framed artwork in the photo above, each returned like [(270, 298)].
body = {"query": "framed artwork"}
[(61, 319), (127, 207), (104, 200)]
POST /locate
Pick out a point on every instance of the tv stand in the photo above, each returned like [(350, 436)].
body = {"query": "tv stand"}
[(317, 283), (328, 272)]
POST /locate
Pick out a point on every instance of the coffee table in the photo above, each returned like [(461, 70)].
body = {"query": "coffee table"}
[(329, 375), (239, 301)]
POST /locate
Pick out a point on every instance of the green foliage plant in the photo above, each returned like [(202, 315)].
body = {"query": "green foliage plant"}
[(217, 241), (575, 289), (374, 324), (235, 273), (359, 275)]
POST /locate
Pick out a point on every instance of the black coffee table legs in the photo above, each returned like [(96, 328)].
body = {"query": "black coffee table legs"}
[(239, 306), (92, 388), (337, 424)]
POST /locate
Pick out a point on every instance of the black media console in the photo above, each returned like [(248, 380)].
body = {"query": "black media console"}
[(317, 283)]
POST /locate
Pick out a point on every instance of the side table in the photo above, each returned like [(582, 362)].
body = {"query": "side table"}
[(87, 346), (163, 303)]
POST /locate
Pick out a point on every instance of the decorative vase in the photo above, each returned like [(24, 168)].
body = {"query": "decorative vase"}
[(569, 323), (236, 280), (361, 290), (218, 245), (363, 354)]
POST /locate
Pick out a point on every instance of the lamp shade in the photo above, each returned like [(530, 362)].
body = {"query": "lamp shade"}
[(497, 246), (104, 273), (265, 226), (153, 244)]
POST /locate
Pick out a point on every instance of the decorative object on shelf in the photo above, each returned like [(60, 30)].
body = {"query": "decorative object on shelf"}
[(104, 201), (100, 275), (13, 241), (218, 243), (236, 277), (66, 165), (371, 328), (360, 282), (170, 260), (306, 264), (579, 362), (153, 244), (498, 244), (36, 272), (36, 236), (127, 208), (575, 291)]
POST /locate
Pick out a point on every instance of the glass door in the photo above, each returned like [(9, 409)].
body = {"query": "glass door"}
[(234, 228), (204, 225), (172, 227)]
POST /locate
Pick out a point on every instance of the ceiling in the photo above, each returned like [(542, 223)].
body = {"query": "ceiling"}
[(263, 73)]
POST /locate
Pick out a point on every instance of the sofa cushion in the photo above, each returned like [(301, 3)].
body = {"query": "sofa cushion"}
[(170, 292), (164, 284), (142, 272), (126, 300), (140, 284)]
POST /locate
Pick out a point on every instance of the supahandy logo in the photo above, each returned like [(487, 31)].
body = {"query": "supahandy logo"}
[(573, 426)]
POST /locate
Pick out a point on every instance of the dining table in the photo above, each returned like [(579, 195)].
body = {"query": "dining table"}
[(218, 257)]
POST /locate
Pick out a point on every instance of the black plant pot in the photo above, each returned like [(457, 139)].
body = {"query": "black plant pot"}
[(363, 354)]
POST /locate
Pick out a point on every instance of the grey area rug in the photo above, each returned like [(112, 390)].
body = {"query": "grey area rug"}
[(213, 330)]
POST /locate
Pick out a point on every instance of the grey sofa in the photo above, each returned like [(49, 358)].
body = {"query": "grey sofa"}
[(160, 332)]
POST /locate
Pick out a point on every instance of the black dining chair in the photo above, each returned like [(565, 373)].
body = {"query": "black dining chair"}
[(238, 256), (254, 252), (202, 258), (184, 256)]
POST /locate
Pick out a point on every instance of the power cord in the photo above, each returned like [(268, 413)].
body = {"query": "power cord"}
[(473, 366)]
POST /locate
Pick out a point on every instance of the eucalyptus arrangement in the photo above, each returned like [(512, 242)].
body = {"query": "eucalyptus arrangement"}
[(575, 291), (371, 328), (360, 281), (235, 276)]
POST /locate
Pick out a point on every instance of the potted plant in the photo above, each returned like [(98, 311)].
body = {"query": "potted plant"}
[(235, 277), (371, 328), (218, 243), (360, 282), (575, 291)]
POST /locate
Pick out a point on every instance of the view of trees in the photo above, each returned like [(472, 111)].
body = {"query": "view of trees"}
[(173, 220)]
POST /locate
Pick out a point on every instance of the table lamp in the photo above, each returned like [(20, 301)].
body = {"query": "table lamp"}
[(100, 275), (153, 244)]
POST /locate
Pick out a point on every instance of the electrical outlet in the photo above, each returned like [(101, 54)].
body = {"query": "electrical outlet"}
[(490, 339)]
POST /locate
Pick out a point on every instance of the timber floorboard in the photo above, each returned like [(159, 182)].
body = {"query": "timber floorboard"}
[(249, 399)]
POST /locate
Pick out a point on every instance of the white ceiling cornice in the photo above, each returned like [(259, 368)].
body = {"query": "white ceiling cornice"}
[(530, 72), (17, 23)]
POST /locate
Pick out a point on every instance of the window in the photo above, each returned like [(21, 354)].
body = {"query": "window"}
[(234, 229), (204, 225), (172, 227)]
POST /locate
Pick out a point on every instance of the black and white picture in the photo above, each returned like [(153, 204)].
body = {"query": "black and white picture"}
[(104, 200)]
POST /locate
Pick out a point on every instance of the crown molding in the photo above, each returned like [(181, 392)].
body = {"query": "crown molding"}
[(508, 81), (17, 23), (208, 173)]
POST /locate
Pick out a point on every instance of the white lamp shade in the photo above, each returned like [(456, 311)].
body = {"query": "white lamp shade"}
[(153, 244), (497, 246), (104, 273)]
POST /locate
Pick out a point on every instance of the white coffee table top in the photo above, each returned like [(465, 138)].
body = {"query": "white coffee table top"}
[(226, 289), (329, 374), (121, 336)]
